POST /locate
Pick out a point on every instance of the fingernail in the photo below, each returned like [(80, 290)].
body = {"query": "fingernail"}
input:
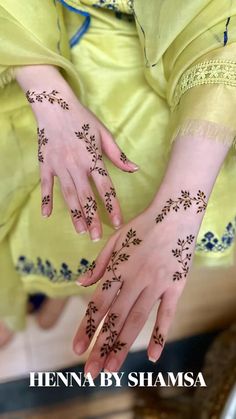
[(94, 369), (116, 221), (152, 359), (134, 166), (81, 228), (112, 365), (79, 348), (95, 236), (44, 212)]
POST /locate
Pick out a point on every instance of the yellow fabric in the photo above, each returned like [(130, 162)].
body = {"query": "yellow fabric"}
[(107, 63)]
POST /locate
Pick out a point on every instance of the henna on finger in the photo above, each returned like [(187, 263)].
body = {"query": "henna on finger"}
[(158, 338), (51, 97), (90, 208), (90, 328), (182, 258), (186, 201), (46, 200), (42, 141), (124, 158), (110, 345), (108, 199), (92, 148), (119, 256), (77, 214)]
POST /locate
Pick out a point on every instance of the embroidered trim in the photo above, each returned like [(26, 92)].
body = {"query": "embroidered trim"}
[(125, 6), (7, 77), (64, 273), (211, 243), (205, 129), (208, 72)]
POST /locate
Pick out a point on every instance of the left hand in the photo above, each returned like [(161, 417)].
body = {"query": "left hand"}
[(142, 263)]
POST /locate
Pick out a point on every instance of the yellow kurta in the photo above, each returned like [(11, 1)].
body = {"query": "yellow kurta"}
[(148, 61)]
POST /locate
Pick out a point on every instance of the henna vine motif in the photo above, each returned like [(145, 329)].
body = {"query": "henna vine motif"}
[(90, 208), (77, 214), (92, 148), (91, 268), (46, 200), (108, 196), (181, 259), (90, 328), (118, 256), (158, 338), (110, 345), (42, 140), (51, 97), (123, 158), (186, 200)]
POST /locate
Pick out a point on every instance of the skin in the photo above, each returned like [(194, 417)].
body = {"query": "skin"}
[(149, 270), (148, 275), (66, 132)]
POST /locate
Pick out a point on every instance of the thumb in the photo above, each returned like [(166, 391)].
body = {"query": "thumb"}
[(115, 154)]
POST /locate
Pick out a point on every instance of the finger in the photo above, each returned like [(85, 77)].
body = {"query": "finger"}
[(165, 316), (97, 268), (115, 154), (107, 339), (134, 323), (96, 310), (70, 195), (107, 192), (90, 211), (47, 179)]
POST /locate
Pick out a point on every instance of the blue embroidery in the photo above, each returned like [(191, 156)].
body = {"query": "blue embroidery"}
[(226, 32), (27, 267), (210, 243), (83, 29), (112, 5)]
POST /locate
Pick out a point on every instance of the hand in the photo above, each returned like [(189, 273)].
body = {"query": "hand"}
[(145, 261), (71, 141)]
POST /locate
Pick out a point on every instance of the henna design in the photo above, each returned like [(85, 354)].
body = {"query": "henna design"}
[(92, 148), (158, 338), (183, 261), (90, 328), (51, 97), (186, 200), (42, 140), (123, 158), (91, 268), (90, 209), (108, 196), (46, 200), (117, 257), (110, 344), (76, 213)]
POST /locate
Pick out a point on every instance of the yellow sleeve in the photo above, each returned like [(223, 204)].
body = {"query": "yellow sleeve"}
[(204, 100)]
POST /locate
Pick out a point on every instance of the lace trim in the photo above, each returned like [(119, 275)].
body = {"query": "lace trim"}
[(209, 72), (206, 129)]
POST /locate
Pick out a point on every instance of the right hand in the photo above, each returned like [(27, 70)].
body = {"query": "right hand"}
[(71, 141)]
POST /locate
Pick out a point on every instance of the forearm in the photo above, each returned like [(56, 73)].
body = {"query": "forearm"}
[(193, 166), (43, 78)]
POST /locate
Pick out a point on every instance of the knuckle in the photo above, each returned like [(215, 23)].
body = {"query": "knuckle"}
[(68, 191), (137, 316)]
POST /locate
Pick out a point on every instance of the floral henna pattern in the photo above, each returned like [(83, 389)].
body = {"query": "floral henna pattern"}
[(46, 200), (158, 338), (119, 256), (91, 268), (90, 328), (92, 148), (77, 214), (123, 158), (42, 141), (90, 208), (182, 259), (108, 199), (51, 97), (186, 201), (110, 344)]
